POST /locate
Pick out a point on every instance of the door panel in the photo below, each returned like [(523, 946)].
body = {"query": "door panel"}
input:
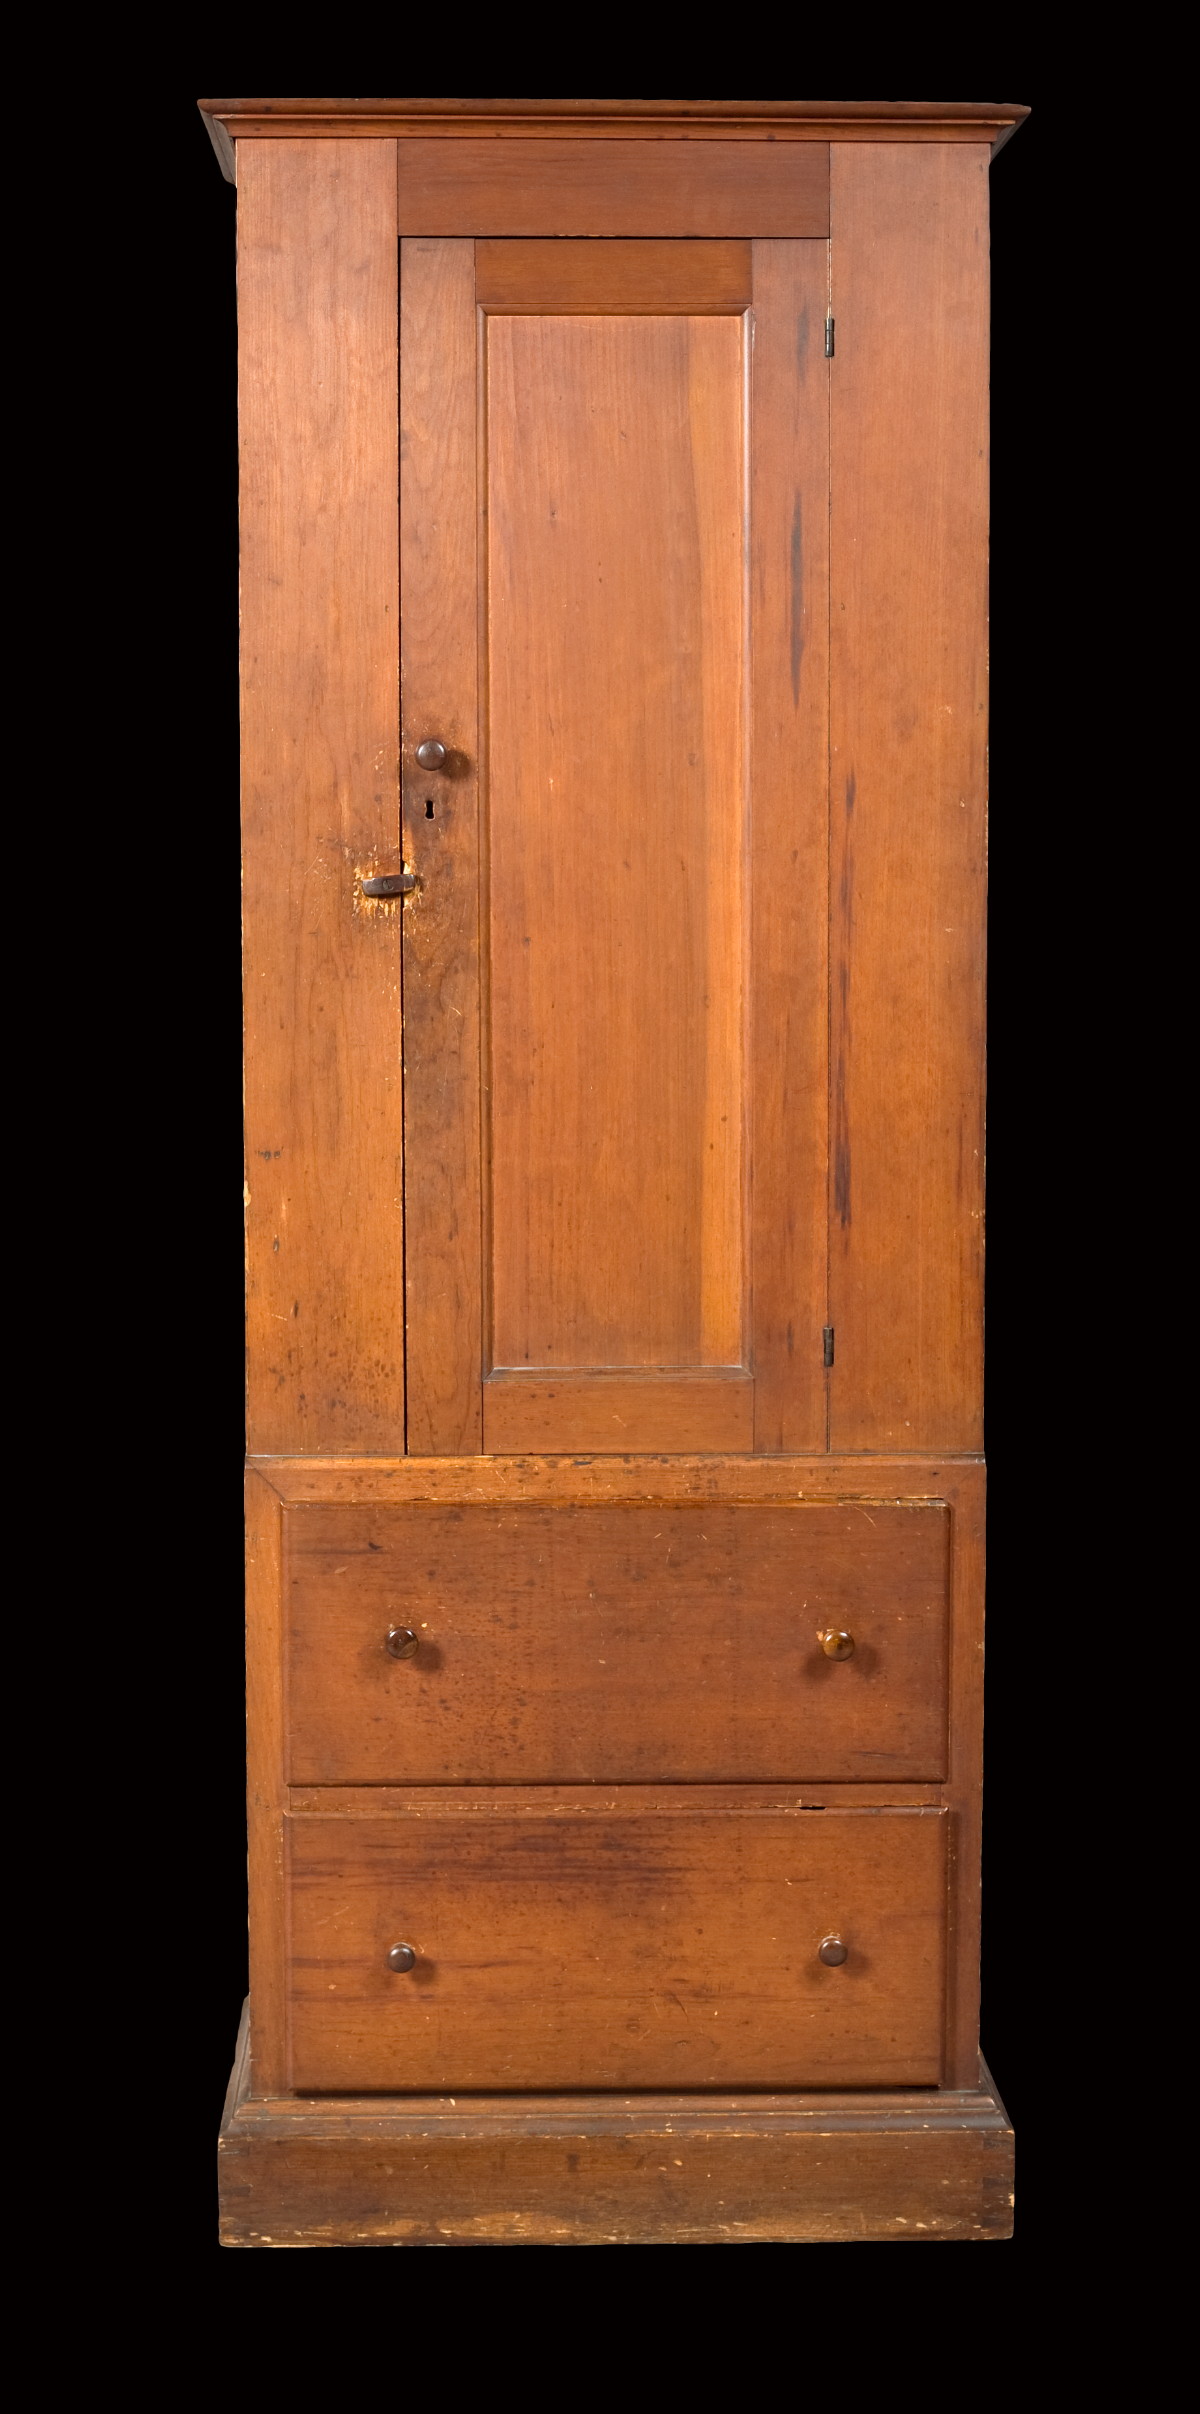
[(631, 954), (616, 641)]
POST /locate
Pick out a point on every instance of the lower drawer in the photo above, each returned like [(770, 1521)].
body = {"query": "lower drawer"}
[(629, 1939)]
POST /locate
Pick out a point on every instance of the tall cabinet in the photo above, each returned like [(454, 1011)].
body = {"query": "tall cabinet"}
[(614, 493)]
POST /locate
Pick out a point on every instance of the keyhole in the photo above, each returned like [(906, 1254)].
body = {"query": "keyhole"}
[(429, 808)]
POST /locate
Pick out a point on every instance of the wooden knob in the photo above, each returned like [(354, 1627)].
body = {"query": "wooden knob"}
[(834, 1642), (431, 754), (831, 1951), (401, 1957), (402, 1643)]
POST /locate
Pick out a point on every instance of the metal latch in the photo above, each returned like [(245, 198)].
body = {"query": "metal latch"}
[(390, 884)]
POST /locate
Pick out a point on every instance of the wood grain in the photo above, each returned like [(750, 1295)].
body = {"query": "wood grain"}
[(698, 1408), (317, 385), (789, 786), (616, 637), (637, 1941), (908, 740), (461, 1486), (965, 1784), (920, 2166), (438, 410), (266, 1680), (756, 120), (555, 186), (675, 1476), (620, 1642), (675, 278)]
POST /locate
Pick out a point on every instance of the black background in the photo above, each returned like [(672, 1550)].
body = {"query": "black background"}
[(169, 488)]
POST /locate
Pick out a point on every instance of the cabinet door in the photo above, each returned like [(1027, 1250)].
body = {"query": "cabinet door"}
[(614, 619)]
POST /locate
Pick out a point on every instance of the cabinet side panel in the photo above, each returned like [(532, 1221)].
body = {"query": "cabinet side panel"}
[(265, 1682), (317, 277), (966, 1774), (908, 772)]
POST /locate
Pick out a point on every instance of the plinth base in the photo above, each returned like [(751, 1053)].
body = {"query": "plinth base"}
[(919, 2165)]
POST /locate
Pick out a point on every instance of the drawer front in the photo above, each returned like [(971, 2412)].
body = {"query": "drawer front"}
[(633, 1943), (609, 1643)]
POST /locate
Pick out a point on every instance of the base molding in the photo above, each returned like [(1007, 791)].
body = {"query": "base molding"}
[(924, 2165)]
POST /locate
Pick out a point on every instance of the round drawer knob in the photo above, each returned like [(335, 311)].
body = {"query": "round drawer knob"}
[(431, 754), (832, 1951), (402, 1643), (402, 1957), (834, 1642)]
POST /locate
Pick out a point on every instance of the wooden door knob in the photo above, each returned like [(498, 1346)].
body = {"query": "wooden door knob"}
[(431, 754), (832, 1951), (834, 1642), (402, 1643), (402, 1957)]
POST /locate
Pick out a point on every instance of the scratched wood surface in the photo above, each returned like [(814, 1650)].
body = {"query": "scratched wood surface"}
[(789, 782), (554, 186), (616, 664), (654, 866), (627, 1642), (908, 756), (443, 1273), (266, 1715), (725, 1268), (320, 743), (677, 279), (638, 1940), (916, 2166)]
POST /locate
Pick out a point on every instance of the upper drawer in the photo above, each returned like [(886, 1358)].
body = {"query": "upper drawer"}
[(617, 1641)]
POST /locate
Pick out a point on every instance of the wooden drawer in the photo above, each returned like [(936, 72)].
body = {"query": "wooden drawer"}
[(635, 1940), (617, 1642)]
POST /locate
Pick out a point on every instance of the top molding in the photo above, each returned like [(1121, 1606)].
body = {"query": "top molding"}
[(992, 122)]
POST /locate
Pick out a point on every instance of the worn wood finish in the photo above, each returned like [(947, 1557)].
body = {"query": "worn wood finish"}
[(616, 1642), (625, 1939), (617, 1106), (556, 187), (921, 2166), (438, 406), (789, 601), (867, 1482), (317, 411), (703, 1408), (666, 1477), (908, 767), (615, 536), (692, 1057), (964, 1789), (650, 121), (675, 278), (265, 1776)]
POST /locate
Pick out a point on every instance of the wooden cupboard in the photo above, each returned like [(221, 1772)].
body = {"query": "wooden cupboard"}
[(614, 495)]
